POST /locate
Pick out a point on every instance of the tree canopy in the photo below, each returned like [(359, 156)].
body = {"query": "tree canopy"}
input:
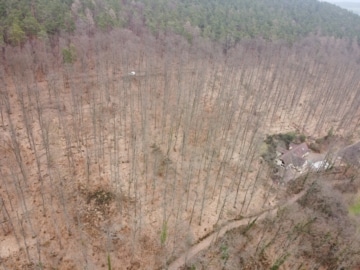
[(225, 21), (21, 19)]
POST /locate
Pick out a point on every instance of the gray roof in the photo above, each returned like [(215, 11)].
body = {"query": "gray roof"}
[(299, 150), (351, 154), (281, 150), (295, 155), (290, 158)]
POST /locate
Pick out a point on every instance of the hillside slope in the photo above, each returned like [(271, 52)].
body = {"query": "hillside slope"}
[(227, 22), (132, 130)]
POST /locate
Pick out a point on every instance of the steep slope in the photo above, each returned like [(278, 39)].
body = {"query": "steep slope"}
[(127, 135), (227, 22)]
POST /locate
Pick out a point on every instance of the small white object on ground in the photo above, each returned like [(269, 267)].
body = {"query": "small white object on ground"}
[(320, 165)]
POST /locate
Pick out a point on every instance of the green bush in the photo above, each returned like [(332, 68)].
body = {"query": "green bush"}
[(329, 134), (163, 236), (279, 261), (288, 138), (315, 147), (109, 262), (224, 253), (16, 34), (302, 138), (69, 55)]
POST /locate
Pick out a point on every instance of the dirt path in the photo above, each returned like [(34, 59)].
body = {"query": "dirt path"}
[(205, 243)]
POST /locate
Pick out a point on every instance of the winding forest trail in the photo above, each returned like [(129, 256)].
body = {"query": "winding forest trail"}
[(206, 242)]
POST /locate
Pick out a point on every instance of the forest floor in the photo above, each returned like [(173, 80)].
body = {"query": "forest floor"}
[(79, 227), (127, 175), (205, 243), (190, 254)]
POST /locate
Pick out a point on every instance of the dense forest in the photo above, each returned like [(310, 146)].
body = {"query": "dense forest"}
[(227, 22), (147, 135)]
